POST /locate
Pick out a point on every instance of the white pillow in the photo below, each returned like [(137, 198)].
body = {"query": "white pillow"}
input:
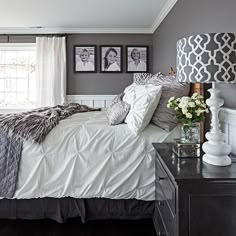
[(143, 100)]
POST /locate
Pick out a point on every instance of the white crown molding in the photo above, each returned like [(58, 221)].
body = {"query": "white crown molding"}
[(164, 12), (25, 30), (38, 30)]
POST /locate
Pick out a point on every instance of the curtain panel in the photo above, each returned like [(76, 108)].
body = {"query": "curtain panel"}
[(51, 71)]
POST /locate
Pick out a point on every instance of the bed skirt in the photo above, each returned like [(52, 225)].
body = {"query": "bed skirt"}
[(61, 209)]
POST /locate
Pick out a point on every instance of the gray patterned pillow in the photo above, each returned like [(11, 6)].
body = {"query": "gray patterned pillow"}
[(117, 98), (141, 78), (165, 117), (117, 112)]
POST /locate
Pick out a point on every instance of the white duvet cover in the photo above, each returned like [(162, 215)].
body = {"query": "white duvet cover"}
[(84, 157)]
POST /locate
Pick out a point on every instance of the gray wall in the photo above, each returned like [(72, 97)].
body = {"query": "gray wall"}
[(17, 39), (102, 83), (190, 17)]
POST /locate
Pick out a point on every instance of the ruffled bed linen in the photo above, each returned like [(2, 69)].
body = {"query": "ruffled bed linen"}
[(84, 157)]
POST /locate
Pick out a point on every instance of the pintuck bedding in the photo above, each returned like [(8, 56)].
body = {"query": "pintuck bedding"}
[(84, 157)]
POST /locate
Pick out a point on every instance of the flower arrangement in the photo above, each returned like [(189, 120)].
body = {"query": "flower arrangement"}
[(189, 109)]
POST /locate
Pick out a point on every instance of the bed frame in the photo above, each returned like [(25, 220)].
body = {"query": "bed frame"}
[(87, 209)]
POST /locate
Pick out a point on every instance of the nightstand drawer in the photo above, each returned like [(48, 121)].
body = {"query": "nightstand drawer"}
[(158, 223), (168, 220), (164, 182)]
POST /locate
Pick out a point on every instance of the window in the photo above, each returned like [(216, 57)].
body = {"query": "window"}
[(17, 75)]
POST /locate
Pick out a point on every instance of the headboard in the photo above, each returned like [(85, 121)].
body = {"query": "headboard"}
[(227, 117)]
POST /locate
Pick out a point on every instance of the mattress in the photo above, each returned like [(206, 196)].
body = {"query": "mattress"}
[(84, 157)]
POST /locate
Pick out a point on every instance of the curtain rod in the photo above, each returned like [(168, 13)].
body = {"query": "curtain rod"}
[(36, 35)]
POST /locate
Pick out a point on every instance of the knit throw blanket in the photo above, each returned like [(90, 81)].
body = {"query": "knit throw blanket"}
[(34, 125)]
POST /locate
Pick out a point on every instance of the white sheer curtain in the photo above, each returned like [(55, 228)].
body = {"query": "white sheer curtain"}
[(51, 71)]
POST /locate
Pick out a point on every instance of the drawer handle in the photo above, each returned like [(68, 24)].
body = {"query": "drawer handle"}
[(161, 178)]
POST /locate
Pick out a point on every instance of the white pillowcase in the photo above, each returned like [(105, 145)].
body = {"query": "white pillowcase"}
[(143, 100)]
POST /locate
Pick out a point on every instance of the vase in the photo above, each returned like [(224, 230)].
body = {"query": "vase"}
[(190, 132)]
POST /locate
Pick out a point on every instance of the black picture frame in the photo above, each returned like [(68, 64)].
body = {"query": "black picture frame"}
[(115, 65), (78, 65), (144, 59)]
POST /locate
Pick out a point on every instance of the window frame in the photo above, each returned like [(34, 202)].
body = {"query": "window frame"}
[(16, 47)]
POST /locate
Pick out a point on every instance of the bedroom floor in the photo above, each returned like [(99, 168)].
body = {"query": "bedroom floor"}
[(75, 227)]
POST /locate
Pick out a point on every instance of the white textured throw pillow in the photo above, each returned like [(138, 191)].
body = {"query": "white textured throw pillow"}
[(143, 100), (117, 111)]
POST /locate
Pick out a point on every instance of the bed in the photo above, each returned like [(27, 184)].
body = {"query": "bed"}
[(113, 181)]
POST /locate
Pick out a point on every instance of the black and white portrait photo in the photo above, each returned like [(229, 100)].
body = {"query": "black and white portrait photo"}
[(85, 58), (111, 59), (137, 58)]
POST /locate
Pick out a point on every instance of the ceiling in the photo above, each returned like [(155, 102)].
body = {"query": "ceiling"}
[(82, 16)]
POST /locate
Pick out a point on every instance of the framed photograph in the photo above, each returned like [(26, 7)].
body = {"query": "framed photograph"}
[(111, 59), (137, 59), (85, 58)]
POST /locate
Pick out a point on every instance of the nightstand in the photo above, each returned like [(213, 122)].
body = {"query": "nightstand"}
[(193, 198)]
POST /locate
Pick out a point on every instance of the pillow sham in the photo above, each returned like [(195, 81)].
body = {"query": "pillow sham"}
[(143, 100), (141, 78), (117, 112), (117, 98), (163, 116)]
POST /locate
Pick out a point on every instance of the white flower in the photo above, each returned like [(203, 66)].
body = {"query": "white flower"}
[(171, 99), (189, 115), (168, 105), (194, 95), (198, 102), (184, 111), (183, 104), (177, 99), (176, 108), (191, 104), (198, 113), (185, 99)]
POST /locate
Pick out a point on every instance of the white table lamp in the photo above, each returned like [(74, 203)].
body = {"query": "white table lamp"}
[(210, 58)]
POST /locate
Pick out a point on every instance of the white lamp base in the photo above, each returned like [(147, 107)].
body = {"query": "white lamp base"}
[(216, 150)]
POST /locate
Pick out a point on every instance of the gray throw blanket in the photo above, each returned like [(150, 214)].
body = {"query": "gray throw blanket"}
[(33, 125)]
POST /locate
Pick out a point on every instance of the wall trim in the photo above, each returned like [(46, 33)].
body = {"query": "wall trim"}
[(101, 101), (75, 30), (62, 30), (169, 5), (94, 97)]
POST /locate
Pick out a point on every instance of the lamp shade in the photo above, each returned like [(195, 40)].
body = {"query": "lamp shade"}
[(207, 58)]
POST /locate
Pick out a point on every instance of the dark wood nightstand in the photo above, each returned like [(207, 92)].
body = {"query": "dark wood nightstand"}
[(193, 198)]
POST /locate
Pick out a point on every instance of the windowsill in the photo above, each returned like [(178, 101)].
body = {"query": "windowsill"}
[(14, 109)]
